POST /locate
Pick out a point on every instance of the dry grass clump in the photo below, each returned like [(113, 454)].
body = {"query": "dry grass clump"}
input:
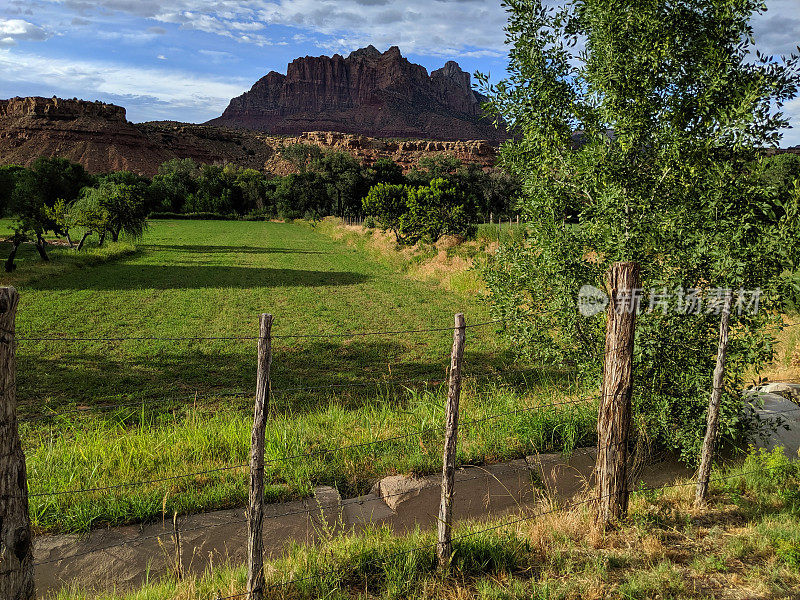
[(450, 262)]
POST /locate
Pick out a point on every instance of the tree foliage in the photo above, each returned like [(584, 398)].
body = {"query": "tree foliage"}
[(415, 213), (637, 131)]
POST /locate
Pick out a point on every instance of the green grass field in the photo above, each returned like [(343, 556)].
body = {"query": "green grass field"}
[(191, 400)]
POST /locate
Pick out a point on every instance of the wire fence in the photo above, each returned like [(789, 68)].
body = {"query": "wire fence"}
[(196, 400)]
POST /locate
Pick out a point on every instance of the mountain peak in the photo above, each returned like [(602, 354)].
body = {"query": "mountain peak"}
[(368, 52), (368, 93)]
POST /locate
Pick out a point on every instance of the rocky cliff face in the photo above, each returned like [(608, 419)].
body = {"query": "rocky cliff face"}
[(93, 134), (97, 136), (58, 108), (406, 153), (368, 93)]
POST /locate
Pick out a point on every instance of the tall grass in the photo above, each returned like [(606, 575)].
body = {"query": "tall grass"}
[(135, 445)]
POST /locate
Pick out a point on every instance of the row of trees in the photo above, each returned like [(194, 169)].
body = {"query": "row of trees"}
[(441, 195), (57, 196), (325, 183)]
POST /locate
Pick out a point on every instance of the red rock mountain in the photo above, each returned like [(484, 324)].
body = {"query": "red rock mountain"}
[(94, 134), (99, 137), (368, 93)]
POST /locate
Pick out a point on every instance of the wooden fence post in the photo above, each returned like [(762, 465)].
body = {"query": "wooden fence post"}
[(255, 512), (16, 542), (614, 417), (707, 455), (444, 547)]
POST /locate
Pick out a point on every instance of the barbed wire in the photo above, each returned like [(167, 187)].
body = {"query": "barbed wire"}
[(419, 431), (211, 397), (312, 454), (341, 505), (250, 338)]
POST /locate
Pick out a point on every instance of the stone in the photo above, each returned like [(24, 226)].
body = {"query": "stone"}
[(396, 489), (790, 391)]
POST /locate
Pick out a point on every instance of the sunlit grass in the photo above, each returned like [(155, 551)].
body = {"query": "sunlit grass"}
[(211, 279)]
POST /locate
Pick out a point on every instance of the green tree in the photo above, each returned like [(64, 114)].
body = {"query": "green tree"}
[(61, 214), (8, 182), (385, 170), (344, 181), (174, 184), (387, 203), (301, 195), (435, 210), (672, 104), (37, 190), (255, 193), (89, 213), (302, 156), (122, 206)]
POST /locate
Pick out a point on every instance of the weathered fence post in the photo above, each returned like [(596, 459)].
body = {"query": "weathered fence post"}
[(445, 547), (255, 512), (614, 417), (707, 455), (16, 543)]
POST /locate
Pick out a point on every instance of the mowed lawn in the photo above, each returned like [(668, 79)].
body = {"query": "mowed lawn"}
[(117, 412)]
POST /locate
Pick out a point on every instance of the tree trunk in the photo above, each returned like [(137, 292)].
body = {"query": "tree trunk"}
[(712, 422), (102, 239), (83, 240), (10, 266), (115, 235), (40, 246), (16, 542), (69, 239), (614, 418)]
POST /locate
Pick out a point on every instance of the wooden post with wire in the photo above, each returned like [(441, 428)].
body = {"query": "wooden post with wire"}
[(712, 420), (255, 512), (614, 416), (16, 541), (444, 547)]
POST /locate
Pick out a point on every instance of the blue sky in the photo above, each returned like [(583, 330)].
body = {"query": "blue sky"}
[(185, 59)]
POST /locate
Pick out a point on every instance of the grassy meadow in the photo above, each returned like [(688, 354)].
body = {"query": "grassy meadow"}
[(106, 413)]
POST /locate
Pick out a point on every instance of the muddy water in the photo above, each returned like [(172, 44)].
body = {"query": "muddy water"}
[(124, 557)]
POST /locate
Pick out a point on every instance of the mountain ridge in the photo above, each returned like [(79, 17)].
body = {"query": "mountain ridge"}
[(367, 93), (99, 137)]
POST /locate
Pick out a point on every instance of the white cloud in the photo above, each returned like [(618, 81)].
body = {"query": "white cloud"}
[(86, 78), (15, 30), (791, 137), (431, 27), (127, 37), (778, 30)]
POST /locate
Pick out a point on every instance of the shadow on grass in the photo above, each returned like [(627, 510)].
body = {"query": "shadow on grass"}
[(227, 249), (357, 374), (166, 277)]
